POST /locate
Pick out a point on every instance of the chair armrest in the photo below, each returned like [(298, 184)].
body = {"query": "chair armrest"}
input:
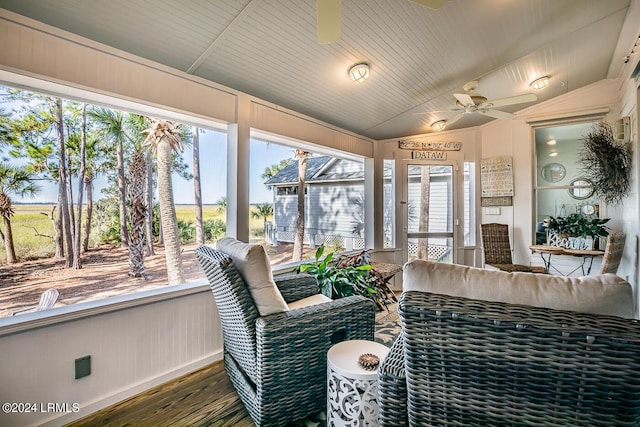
[(392, 387), (22, 310), (309, 332), (294, 287), (343, 312)]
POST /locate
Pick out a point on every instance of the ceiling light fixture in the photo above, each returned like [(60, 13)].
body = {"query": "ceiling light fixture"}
[(551, 142), (439, 125), (540, 83), (359, 72), (553, 154)]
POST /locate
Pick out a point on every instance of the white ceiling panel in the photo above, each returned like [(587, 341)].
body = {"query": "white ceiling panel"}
[(419, 57)]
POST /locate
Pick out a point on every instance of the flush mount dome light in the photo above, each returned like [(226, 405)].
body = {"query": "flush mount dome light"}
[(540, 83), (439, 125), (359, 72)]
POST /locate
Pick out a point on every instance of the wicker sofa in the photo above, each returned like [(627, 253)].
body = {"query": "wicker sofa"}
[(462, 360)]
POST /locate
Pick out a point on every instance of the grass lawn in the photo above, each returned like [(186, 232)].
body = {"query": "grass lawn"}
[(33, 231)]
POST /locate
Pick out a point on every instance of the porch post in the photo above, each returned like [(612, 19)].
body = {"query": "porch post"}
[(239, 134)]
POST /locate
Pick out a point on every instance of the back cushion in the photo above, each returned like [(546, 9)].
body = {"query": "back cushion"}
[(253, 265), (598, 294)]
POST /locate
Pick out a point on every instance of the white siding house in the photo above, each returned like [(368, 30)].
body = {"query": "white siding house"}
[(334, 202)]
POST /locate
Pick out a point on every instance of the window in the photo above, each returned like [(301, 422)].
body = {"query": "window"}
[(334, 200), (469, 204), (104, 256), (288, 191), (389, 204), (560, 188)]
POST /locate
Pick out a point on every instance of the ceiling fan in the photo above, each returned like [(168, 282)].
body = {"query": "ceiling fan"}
[(473, 102), (329, 17)]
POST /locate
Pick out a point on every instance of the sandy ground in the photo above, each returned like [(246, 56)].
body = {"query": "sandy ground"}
[(103, 274)]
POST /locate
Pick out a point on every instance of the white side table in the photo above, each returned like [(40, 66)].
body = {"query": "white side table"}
[(352, 391)]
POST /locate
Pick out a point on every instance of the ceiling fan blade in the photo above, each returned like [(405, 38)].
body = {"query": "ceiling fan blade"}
[(496, 114), (519, 99), (431, 4), (329, 16), (454, 119), (464, 99), (439, 111)]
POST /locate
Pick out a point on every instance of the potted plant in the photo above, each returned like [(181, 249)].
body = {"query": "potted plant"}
[(340, 281), (575, 231)]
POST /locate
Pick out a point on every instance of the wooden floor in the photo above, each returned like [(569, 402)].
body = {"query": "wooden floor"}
[(202, 398)]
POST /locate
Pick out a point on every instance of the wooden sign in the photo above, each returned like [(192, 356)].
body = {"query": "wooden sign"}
[(496, 201), (496, 175), (429, 146), (429, 155)]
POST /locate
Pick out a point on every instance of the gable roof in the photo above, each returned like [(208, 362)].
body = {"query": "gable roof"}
[(318, 169)]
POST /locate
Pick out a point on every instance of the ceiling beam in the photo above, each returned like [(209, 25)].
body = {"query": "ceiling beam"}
[(223, 35)]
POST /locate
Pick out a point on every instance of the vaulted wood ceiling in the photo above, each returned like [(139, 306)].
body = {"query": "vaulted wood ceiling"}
[(418, 56)]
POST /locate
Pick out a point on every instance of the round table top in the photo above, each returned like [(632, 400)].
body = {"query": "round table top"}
[(343, 358), (583, 252), (546, 249)]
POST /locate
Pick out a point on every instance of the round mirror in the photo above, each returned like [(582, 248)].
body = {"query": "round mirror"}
[(581, 188), (553, 172), (588, 210)]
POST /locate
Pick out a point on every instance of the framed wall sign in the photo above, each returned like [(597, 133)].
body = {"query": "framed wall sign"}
[(496, 175)]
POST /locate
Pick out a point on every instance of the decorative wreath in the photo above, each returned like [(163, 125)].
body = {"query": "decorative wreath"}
[(606, 163)]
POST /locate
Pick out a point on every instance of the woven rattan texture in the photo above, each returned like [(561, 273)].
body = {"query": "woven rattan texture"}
[(497, 249), (392, 387), (613, 252), (286, 380), (478, 363)]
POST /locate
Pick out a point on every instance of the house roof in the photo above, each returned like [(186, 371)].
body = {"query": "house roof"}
[(318, 169), (418, 56)]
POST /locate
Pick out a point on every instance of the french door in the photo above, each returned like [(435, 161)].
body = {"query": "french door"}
[(428, 205)]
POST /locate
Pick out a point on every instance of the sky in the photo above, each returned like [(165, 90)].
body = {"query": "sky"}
[(213, 173), (213, 170)]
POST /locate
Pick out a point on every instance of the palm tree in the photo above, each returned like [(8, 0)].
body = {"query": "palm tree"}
[(64, 183), (270, 171), (197, 188), (139, 209), (264, 211), (164, 137), (302, 173), (13, 180), (423, 225), (222, 204), (112, 127)]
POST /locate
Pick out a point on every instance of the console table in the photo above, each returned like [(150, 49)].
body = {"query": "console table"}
[(549, 251)]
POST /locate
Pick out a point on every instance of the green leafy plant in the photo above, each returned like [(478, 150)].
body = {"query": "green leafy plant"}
[(338, 282), (576, 225)]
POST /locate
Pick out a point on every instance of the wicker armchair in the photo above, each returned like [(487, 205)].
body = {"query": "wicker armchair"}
[(497, 249), (278, 363), (477, 363)]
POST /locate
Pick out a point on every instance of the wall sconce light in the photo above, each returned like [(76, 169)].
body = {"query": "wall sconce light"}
[(439, 125), (551, 142), (359, 72), (540, 83)]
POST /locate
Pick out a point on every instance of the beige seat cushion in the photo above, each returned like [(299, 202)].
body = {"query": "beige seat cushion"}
[(597, 294), (253, 265), (309, 301)]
